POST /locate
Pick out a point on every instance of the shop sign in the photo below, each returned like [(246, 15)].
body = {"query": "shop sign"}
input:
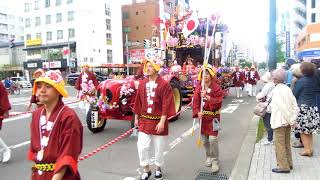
[(33, 42)]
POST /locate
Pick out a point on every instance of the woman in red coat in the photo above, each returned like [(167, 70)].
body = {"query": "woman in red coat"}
[(238, 81), (4, 113), (210, 115), (252, 81)]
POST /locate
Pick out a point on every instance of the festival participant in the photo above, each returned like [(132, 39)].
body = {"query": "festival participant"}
[(154, 104), (86, 85), (34, 99), (252, 81), (176, 68), (246, 77), (5, 152), (56, 132), (190, 67), (210, 116), (238, 81)]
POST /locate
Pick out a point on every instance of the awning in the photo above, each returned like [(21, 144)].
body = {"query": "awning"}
[(54, 45)]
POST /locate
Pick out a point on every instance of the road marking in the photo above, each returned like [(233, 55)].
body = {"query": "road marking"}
[(230, 108), (17, 118), (20, 145), (237, 100), (172, 145)]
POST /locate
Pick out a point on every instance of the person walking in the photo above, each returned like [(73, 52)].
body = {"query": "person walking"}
[(154, 104), (210, 116), (308, 121), (238, 81), (56, 132), (5, 152), (265, 96), (283, 116), (252, 81)]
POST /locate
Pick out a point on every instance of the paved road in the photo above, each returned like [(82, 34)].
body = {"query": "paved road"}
[(184, 159)]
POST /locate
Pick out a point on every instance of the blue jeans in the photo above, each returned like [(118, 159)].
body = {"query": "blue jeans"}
[(267, 125)]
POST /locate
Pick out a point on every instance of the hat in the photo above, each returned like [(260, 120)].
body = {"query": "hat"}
[(266, 77), (38, 71), (154, 63), (209, 68), (253, 66), (54, 78)]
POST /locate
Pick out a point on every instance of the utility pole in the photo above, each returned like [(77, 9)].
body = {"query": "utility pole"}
[(127, 53), (272, 61), (69, 52)]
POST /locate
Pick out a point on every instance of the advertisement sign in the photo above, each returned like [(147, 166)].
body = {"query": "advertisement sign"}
[(33, 42), (153, 53), (53, 64), (287, 44), (32, 65), (136, 55)]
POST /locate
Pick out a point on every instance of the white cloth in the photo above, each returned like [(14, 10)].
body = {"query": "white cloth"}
[(144, 148), (252, 90), (266, 92), (284, 108), (239, 91)]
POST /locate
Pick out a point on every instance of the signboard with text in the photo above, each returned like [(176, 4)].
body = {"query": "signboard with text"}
[(137, 55)]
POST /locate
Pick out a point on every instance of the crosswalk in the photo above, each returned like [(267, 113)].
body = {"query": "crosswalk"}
[(21, 101)]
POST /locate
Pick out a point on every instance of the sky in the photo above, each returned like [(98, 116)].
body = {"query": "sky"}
[(247, 21)]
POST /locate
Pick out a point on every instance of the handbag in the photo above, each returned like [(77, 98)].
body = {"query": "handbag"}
[(260, 109)]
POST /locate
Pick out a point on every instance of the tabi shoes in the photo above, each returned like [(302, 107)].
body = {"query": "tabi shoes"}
[(215, 167), (145, 175), (6, 154), (158, 175), (208, 162)]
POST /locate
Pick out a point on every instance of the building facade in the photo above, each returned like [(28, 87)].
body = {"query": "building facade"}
[(11, 26), (11, 59), (63, 34)]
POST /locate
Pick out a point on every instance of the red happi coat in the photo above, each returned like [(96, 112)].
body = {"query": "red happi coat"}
[(91, 76), (246, 76), (163, 104), (4, 102), (64, 146), (215, 104), (238, 78), (253, 77)]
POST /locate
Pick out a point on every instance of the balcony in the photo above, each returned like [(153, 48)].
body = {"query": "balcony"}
[(299, 20), (299, 5)]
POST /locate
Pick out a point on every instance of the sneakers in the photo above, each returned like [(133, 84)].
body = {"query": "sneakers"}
[(145, 175), (215, 167), (208, 162), (266, 142), (158, 174)]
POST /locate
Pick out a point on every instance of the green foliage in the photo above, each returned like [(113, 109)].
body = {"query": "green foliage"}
[(262, 65), (280, 55), (261, 130), (243, 63)]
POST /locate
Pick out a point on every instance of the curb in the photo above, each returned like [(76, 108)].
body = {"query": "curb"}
[(242, 165)]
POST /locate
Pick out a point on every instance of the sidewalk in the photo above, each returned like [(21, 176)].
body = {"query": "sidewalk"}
[(304, 168)]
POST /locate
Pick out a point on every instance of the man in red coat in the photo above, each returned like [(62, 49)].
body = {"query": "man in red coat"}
[(86, 85), (5, 106), (210, 115), (238, 81), (56, 132), (252, 81), (154, 104)]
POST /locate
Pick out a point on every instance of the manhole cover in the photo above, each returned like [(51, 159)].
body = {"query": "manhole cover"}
[(211, 176)]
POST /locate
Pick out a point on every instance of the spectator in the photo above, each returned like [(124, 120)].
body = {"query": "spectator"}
[(283, 115), (265, 96), (308, 120), (7, 83)]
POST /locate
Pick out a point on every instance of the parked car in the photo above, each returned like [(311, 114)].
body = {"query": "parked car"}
[(72, 78), (22, 81)]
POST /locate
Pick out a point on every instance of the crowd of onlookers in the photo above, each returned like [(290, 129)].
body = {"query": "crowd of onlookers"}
[(291, 99)]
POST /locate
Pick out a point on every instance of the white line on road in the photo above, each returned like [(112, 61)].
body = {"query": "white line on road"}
[(17, 118), (230, 108), (20, 145)]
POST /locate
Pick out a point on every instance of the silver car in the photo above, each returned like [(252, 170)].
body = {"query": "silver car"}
[(22, 81)]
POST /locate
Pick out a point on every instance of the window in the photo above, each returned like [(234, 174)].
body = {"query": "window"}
[(108, 12), (58, 17), (59, 34), (313, 4), (109, 38), (69, 1), (28, 36), (36, 5), (47, 3), (125, 15), (28, 24), (26, 7), (108, 24), (58, 2), (48, 19), (313, 17), (38, 21), (70, 15), (71, 33), (109, 56), (38, 35), (126, 29), (49, 36), (11, 27)]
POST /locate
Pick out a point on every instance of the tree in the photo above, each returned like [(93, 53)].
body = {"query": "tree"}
[(244, 63), (262, 65), (280, 55)]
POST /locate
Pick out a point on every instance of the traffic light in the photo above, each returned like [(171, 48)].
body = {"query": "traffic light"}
[(147, 43), (11, 43)]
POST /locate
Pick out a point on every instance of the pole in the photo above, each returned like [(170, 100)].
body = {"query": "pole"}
[(69, 52), (127, 53), (272, 62)]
